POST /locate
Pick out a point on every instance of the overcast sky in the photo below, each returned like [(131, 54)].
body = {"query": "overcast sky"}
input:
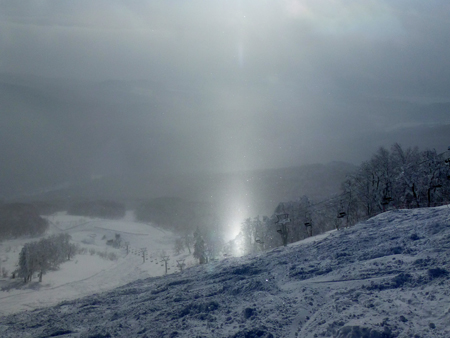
[(114, 87)]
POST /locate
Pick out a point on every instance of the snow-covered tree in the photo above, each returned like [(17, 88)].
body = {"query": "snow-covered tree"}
[(178, 246), (432, 177), (200, 248), (405, 187), (43, 255), (26, 266), (188, 241)]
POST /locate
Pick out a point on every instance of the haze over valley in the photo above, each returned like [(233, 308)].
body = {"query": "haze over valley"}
[(238, 169)]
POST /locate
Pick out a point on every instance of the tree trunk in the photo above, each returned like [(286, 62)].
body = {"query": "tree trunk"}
[(415, 195)]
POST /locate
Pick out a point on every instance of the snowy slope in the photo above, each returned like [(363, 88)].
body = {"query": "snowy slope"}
[(386, 277), (88, 273)]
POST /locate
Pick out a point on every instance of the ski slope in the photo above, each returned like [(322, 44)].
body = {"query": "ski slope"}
[(386, 277), (89, 273)]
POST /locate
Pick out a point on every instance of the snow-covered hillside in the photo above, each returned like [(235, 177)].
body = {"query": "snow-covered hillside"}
[(100, 268), (386, 277)]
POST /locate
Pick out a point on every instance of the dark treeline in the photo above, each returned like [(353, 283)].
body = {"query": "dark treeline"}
[(171, 213), (20, 219), (99, 208), (46, 208), (391, 179)]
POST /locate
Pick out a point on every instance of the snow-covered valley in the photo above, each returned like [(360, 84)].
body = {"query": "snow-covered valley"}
[(386, 277), (102, 267)]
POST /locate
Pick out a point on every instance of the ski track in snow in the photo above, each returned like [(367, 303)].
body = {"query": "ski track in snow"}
[(385, 277)]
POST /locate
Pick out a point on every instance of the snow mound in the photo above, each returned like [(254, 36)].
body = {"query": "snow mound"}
[(386, 277)]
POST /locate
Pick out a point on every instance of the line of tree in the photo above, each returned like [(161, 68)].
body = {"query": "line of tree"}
[(397, 179), (44, 255), (99, 208), (20, 219), (391, 179)]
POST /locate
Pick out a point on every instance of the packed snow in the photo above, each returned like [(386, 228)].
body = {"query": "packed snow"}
[(385, 277)]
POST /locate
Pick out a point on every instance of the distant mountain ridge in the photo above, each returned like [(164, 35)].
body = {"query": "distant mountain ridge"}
[(254, 192)]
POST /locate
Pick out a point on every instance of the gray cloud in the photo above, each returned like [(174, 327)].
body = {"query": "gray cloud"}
[(115, 87)]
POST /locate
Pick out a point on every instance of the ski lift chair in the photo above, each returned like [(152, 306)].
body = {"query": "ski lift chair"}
[(341, 214)]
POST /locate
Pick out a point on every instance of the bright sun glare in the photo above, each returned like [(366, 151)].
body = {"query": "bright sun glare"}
[(234, 229)]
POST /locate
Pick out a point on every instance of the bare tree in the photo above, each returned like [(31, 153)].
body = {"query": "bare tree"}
[(181, 264)]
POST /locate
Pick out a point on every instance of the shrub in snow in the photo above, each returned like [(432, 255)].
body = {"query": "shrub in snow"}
[(103, 254)]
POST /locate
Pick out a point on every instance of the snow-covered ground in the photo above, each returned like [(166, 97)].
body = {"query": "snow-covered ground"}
[(386, 277), (89, 273)]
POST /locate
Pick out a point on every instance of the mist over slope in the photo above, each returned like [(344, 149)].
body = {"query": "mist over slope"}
[(71, 130), (385, 277), (255, 192)]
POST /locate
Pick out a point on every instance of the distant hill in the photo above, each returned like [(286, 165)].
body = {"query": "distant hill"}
[(252, 192)]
